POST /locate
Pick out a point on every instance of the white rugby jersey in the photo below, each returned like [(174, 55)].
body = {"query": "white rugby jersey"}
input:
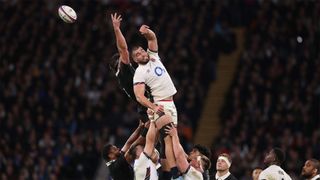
[(193, 174), (274, 172), (144, 168), (155, 75)]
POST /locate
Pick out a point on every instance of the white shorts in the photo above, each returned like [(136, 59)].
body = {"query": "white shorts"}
[(169, 108), (192, 174)]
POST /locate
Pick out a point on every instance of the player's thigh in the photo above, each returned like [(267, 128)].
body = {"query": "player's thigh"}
[(173, 113), (170, 109)]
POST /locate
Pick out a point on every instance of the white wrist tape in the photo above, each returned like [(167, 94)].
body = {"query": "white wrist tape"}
[(225, 159)]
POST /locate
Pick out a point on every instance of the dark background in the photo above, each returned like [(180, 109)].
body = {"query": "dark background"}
[(59, 104)]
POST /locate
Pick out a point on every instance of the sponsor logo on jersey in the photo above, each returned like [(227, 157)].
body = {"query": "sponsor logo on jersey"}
[(159, 71)]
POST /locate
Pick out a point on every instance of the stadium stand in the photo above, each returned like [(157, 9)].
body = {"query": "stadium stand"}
[(275, 96), (59, 104)]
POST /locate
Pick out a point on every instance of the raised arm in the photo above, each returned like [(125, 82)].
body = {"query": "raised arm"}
[(121, 41), (150, 138), (134, 136), (178, 151), (150, 36)]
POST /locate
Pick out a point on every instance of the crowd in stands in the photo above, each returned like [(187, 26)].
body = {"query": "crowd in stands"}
[(59, 104), (275, 96)]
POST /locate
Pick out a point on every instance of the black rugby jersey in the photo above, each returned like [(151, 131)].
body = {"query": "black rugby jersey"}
[(125, 75), (125, 78), (120, 169)]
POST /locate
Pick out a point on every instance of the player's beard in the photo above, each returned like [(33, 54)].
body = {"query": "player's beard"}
[(145, 61), (306, 175)]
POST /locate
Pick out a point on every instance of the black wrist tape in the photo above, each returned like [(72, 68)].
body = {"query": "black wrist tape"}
[(175, 172)]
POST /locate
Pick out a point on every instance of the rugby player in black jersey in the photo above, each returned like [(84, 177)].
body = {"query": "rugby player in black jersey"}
[(122, 68), (119, 161)]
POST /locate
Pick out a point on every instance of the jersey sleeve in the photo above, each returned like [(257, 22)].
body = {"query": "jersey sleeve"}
[(138, 77), (141, 162), (153, 54), (262, 176)]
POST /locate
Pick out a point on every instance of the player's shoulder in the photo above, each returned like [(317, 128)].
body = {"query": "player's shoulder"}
[(273, 170), (265, 171), (142, 69), (143, 160), (154, 56), (194, 173), (139, 69)]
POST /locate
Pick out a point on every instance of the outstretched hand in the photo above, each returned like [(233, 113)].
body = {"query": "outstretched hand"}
[(116, 20), (144, 29), (171, 130)]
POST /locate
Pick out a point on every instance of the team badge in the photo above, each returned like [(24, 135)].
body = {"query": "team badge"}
[(159, 71)]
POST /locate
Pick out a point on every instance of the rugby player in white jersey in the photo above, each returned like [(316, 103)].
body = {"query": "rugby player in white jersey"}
[(274, 159), (146, 163), (151, 72), (189, 170)]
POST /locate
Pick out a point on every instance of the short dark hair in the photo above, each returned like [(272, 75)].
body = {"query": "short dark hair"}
[(257, 167), (105, 152), (203, 150), (280, 155), (113, 62), (316, 165)]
